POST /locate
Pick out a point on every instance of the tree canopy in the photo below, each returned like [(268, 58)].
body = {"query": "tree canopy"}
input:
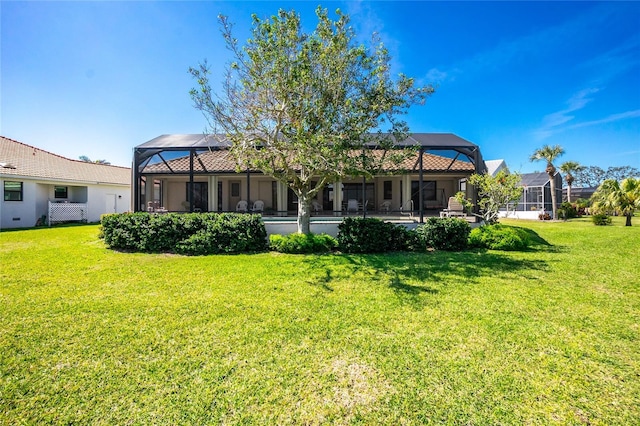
[(593, 176), (496, 192), (569, 168), (620, 197), (298, 106)]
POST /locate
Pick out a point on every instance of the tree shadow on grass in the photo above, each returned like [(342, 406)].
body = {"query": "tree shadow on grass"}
[(411, 275)]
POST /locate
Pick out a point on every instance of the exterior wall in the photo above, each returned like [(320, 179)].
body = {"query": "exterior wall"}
[(103, 199), (19, 214), (36, 195)]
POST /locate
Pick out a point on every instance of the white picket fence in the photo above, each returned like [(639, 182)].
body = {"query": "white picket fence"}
[(67, 212)]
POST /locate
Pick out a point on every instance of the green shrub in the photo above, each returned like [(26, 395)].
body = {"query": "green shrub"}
[(302, 243), (192, 234), (445, 233), (601, 219), (499, 237), (370, 235), (567, 211)]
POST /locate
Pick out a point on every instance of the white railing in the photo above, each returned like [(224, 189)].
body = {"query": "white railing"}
[(67, 212)]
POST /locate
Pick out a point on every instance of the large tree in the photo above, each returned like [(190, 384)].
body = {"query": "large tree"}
[(569, 168), (298, 106), (549, 154), (621, 197), (593, 176)]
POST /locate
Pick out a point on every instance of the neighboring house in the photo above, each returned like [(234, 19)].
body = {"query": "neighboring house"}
[(494, 166), (536, 196), (577, 193), (39, 187), (195, 173)]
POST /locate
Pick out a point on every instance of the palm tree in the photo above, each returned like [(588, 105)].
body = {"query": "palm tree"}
[(549, 154), (568, 168), (623, 197), (88, 160)]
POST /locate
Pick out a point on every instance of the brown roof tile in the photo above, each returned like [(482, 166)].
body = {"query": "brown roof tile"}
[(22, 160), (220, 162)]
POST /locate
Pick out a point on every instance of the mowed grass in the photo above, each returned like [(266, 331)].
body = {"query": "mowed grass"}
[(547, 336)]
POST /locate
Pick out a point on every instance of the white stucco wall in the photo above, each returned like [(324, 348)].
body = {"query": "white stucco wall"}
[(100, 198)]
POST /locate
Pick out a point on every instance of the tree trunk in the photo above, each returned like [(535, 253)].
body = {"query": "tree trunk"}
[(628, 222), (304, 213), (569, 193), (552, 182)]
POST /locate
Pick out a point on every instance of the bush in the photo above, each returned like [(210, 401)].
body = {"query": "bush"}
[(499, 237), (369, 235), (601, 219), (302, 243), (444, 233), (567, 211), (544, 216), (192, 234)]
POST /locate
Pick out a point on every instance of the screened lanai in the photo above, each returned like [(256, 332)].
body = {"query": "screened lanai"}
[(536, 193), (194, 172)]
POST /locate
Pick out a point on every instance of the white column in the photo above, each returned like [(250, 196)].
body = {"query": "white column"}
[(337, 198), (148, 192), (406, 192), (281, 201), (213, 194)]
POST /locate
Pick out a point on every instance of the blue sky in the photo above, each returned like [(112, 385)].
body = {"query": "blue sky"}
[(98, 78)]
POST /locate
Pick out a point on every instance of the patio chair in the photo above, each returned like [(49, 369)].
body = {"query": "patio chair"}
[(316, 206), (241, 206), (407, 209), (258, 206), (385, 206), (352, 205), (454, 209)]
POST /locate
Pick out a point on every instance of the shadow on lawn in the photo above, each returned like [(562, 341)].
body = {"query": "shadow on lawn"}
[(421, 273)]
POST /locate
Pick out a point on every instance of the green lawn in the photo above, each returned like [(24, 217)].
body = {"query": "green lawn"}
[(548, 336)]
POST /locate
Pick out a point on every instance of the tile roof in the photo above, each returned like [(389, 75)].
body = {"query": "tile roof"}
[(221, 162), (22, 160)]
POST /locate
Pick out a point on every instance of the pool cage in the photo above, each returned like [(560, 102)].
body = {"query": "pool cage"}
[(536, 193)]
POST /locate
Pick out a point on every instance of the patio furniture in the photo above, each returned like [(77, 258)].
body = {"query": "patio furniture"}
[(258, 206), (454, 209), (352, 205), (241, 206), (385, 206), (407, 209), (316, 206)]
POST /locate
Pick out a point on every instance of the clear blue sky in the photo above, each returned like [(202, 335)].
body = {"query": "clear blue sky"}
[(98, 78)]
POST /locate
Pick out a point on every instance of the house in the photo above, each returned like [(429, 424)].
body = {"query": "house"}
[(42, 187), (579, 193), (536, 196), (494, 166), (194, 172)]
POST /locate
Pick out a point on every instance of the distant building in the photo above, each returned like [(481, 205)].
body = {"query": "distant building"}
[(39, 187), (494, 166), (536, 196), (576, 193)]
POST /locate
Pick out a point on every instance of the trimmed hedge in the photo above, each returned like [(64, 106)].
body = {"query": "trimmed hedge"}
[(190, 233), (302, 243), (444, 233), (499, 237), (370, 235)]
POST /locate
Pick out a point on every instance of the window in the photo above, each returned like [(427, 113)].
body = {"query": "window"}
[(12, 191), (235, 189), (60, 191), (387, 190)]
